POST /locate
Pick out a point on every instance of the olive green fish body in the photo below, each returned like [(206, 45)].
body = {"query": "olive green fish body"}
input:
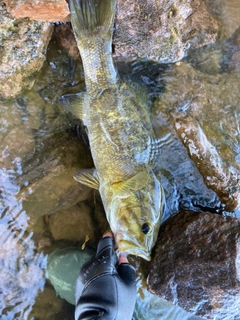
[(120, 134), (119, 137)]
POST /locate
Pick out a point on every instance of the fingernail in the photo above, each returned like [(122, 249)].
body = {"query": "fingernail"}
[(108, 234), (123, 258)]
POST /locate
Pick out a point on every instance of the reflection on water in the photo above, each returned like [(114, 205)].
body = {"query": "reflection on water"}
[(28, 123), (22, 269)]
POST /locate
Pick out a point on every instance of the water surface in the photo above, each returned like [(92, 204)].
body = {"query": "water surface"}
[(35, 134)]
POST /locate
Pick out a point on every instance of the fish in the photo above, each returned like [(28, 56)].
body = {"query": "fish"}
[(121, 137)]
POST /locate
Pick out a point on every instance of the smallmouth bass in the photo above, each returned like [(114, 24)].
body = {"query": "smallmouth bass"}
[(121, 137)]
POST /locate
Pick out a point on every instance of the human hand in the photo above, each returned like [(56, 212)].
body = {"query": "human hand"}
[(106, 286)]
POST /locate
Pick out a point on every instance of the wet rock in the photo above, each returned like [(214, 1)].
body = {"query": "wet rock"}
[(159, 30), (47, 180), (63, 268), (224, 181), (196, 264), (162, 30), (227, 11), (235, 62), (49, 306), (23, 45), (64, 36), (46, 10), (73, 224), (203, 109)]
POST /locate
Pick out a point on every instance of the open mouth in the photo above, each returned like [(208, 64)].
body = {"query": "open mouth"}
[(133, 249)]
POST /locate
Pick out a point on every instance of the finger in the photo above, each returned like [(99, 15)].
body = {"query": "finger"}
[(128, 274), (122, 259), (108, 234), (105, 243)]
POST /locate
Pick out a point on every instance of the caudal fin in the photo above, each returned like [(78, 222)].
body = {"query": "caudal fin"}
[(92, 17)]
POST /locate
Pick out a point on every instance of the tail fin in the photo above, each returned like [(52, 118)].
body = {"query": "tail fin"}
[(92, 17)]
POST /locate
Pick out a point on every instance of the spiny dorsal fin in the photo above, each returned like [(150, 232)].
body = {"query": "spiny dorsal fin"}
[(91, 17), (73, 103), (88, 177), (137, 182)]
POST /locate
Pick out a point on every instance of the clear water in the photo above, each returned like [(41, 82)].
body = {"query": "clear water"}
[(31, 124)]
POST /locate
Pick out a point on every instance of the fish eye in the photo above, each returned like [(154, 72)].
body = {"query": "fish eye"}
[(145, 228)]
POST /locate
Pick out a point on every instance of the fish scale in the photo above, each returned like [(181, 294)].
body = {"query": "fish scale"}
[(121, 136)]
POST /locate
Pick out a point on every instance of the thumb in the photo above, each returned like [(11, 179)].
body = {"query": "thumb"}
[(127, 273)]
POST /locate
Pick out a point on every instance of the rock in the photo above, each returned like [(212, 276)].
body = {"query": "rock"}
[(235, 62), (64, 36), (159, 30), (162, 30), (224, 181), (149, 306), (23, 45), (227, 11), (196, 264), (204, 113), (50, 307), (47, 180), (63, 269), (46, 10), (73, 224)]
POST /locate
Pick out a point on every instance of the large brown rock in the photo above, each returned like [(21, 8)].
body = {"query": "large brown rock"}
[(159, 30), (49, 184), (73, 224), (196, 264), (162, 30), (45, 10), (203, 110), (23, 45)]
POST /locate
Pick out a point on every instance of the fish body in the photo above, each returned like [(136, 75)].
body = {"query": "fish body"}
[(121, 137)]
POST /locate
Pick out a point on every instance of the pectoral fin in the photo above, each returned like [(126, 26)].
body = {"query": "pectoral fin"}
[(73, 103), (135, 183), (89, 177)]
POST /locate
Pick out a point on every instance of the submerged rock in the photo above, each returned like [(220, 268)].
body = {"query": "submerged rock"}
[(227, 11), (45, 10), (73, 224), (49, 306), (198, 267), (23, 45), (63, 267), (48, 176), (203, 110)]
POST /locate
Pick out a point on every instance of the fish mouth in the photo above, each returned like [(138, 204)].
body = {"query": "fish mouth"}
[(129, 247)]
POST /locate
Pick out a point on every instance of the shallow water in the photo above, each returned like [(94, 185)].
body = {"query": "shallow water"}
[(35, 133)]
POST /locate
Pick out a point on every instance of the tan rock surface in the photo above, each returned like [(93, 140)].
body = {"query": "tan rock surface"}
[(73, 224), (46, 10), (23, 45)]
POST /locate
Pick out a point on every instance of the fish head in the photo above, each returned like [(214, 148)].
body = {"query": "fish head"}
[(135, 219)]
